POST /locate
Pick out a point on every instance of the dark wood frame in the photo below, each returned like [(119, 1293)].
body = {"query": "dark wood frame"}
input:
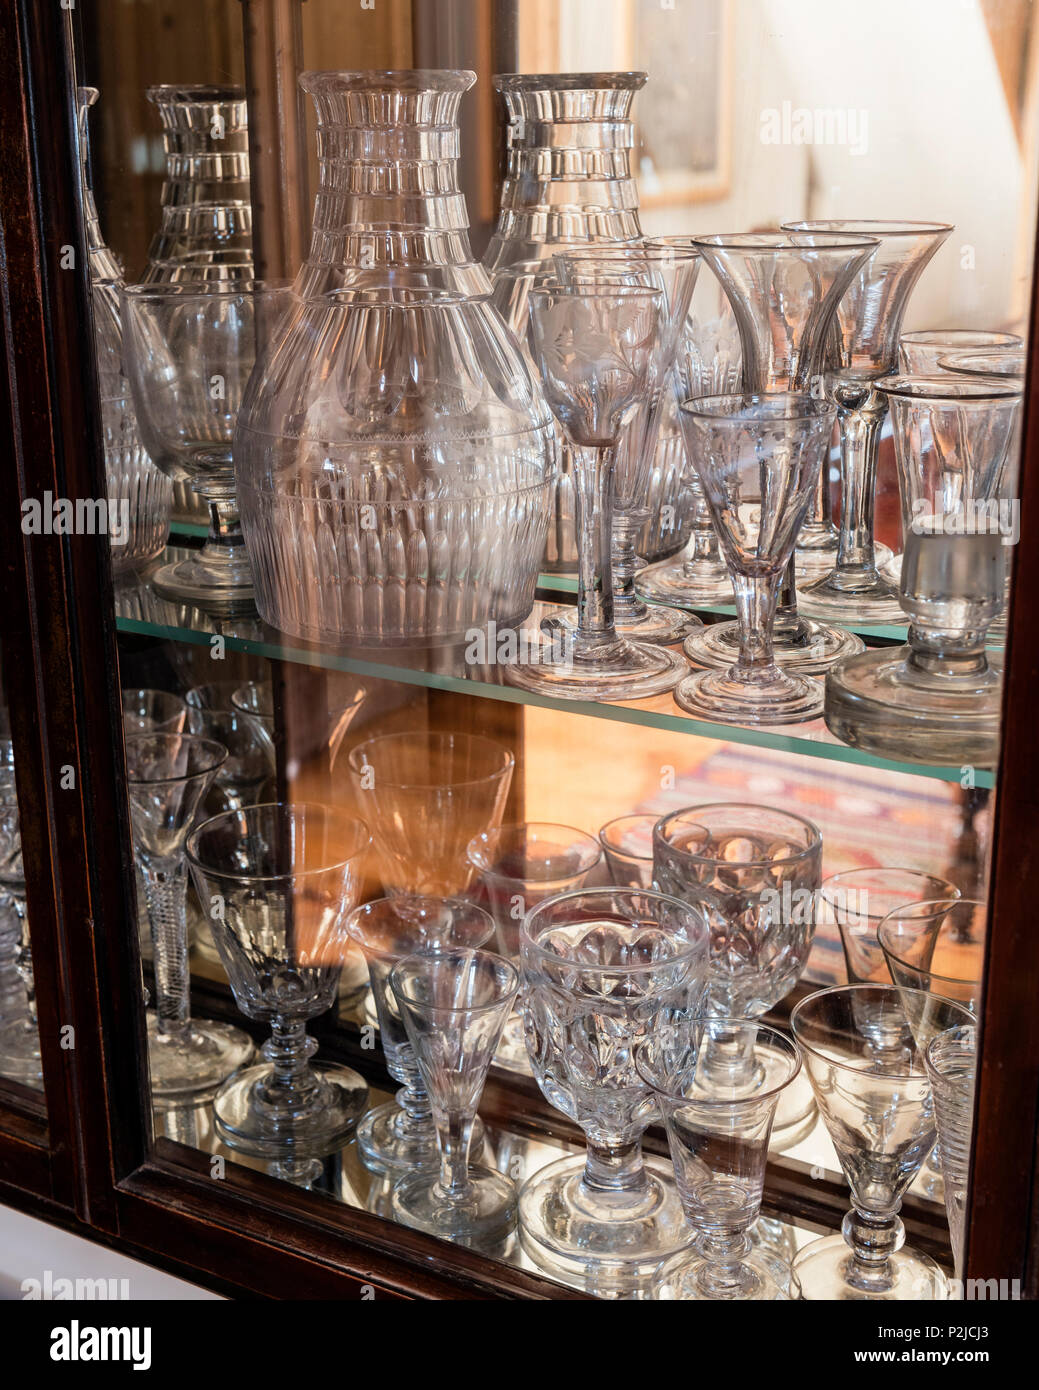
[(89, 1162)]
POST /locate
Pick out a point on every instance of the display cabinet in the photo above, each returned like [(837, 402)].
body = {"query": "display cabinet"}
[(325, 635)]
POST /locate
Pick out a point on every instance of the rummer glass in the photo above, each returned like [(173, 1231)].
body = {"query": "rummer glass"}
[(604, 968)]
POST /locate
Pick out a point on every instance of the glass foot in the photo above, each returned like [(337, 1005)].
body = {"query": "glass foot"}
[(816, 556), (512, 1049), (674, 584), (875, 603), (20, 1058), (484, 1219), (722, 698), (192, 1066), (246, 1122), (618, 670), (826, 1270), (812, 653), (213, 586), (656, 623), (875, 702), (691, 1277), (387, 1143), (570, 1229)]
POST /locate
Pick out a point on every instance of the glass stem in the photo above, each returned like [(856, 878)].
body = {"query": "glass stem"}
[(454, 1130), (755, 611), (787, 623), (703, 540), (615, 1170), (627, 606), (293, 1085), (593, 499), (861, 412), (416, 1112), (725, 1252), (165, 892), (873, 1239)]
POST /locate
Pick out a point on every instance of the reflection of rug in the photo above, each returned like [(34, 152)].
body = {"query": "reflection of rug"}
[(867, 817)]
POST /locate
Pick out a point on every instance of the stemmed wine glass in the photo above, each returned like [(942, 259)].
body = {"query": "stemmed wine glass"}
[(168, 776), (784, 289), (454, 1005), (856, 901), (604, 968), (672, 269), (189, 353), (250, 761), (771, 447), (401, 1134), (718, 1135), (277, 882), (870, 323), (951, 1060), (596, 349), (879, 1112)]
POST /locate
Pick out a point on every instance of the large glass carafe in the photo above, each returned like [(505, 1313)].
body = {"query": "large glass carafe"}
[(394, 454), (139, 495), (568, 182)]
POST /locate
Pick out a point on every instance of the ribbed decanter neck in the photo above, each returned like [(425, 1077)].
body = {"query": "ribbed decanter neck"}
[(102, 263), (388, 206), (206, 228), (568, 172)]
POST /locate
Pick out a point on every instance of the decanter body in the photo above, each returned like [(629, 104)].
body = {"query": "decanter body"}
[(140, 493), (568, 182), (394, 453)]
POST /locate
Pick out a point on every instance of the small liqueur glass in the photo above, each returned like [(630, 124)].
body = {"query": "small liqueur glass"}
[(869, 317), (604, 968), (520, 866), (856, 901), (400, 1135), (920, 353), (770, 449), (454, 1005), (168, 776), (597, 349), (277, 882), (628, 845), (189, 352), (425, 796), (754, 871), (951, 1060), (672, 269), (879, 1112), (153, 712), (718, 1136)]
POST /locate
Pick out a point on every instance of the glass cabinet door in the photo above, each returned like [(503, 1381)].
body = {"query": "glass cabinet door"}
[(552, 618)]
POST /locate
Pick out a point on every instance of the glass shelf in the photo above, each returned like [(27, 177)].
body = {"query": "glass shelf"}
[(144, 612)]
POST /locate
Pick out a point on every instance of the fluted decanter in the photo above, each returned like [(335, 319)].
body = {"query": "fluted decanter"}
[(205, 234), (394, 453), (139, 493), (568, 182)]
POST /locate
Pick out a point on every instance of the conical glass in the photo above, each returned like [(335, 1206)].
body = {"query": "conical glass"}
[(937, 699), (920, 353), (277, 883), (401, 1135), (869, 319), (718, 1137), (754, 871), (856, 901), (627, 843), (784, 289), (880, 1116), (927, 948), (141, 494), (168, 776), (768, 449), (604, 968), (598, 350), (454, 1005), (425, 796), (652, 429), (189, 353), (708, 362)]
